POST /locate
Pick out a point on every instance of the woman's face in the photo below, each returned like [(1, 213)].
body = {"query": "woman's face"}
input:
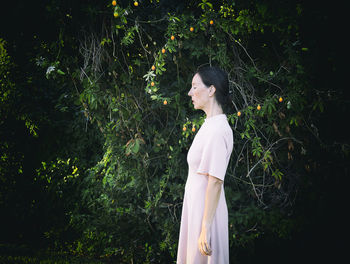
[(199, 93)]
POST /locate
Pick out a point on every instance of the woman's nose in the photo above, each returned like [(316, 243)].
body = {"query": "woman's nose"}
[(190, 93)]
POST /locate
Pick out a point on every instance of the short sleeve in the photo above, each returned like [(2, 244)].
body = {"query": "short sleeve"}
[(214, 157)]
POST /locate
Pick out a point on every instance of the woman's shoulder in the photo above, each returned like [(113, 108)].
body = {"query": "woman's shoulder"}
[(220, 128)]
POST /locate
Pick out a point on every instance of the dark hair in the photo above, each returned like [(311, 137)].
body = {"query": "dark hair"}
[(212, 75)]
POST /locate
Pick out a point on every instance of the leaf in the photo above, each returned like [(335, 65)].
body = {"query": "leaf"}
[(294, 120), (271, 107), (149, 76), (129, 37), (277, 174), (129, 146), (60, 72), (136, 147)]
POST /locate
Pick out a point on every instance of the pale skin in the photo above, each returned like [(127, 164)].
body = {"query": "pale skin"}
[(203, 98)]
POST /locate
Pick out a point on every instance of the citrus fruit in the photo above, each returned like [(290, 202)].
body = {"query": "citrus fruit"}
[(163, 51), (239, 113), (184, 128), (191, 29), (152, 83), (114, 3), (165, 102), (136, 3), (258, 107), (153, 67), (116, 14), (280, 99), (211, 22), (193, 129), (172, 37)]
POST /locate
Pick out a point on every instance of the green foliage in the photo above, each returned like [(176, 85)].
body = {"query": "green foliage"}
[(138, 184), (5, 67), (7, 92)]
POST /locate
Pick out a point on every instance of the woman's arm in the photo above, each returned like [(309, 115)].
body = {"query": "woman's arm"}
[(212, 197)]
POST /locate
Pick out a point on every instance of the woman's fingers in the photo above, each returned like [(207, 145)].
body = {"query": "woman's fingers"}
[(203, 244), (200, 247), (208, 249), (202, 251), (205, 249)]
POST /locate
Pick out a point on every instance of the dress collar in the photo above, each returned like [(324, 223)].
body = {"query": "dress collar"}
[(215, 117)]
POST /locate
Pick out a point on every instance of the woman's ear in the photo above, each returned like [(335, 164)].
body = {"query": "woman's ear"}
[(212, 90)]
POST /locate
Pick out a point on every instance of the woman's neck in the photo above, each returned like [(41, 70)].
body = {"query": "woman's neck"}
[(213, 109)]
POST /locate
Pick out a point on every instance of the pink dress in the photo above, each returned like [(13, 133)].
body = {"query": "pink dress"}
[(209, 154)]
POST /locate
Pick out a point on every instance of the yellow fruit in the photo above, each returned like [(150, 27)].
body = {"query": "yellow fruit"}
[(163, 51), (172, 37), (153, 67), (165, 102), (152, 83), (191, 29), (258, 107), (211, 22), (136, 3), (193, 129), (239, 113), (116, 14), (280, 99), (114, 3), (184, 128)]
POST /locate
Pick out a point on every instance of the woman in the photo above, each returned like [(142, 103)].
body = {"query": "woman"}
[(204, 221)]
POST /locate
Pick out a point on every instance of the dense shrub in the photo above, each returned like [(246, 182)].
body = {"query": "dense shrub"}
[(133, 82)]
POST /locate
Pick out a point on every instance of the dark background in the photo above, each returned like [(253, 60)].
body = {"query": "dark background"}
[(323, 200)]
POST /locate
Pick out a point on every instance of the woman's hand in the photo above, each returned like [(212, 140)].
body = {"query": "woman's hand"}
[(212, 197), (204, 242)]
